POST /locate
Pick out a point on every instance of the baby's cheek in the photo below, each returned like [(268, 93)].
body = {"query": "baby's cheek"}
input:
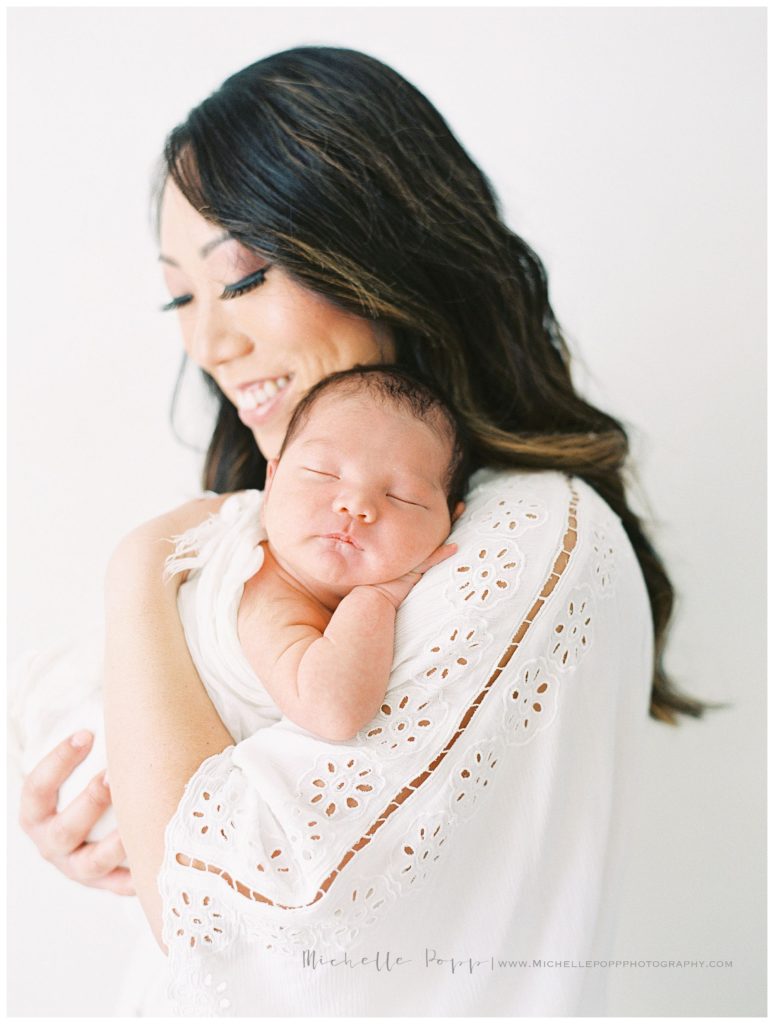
[(407, 557)]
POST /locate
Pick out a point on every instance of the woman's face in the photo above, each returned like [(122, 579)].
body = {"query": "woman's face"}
[(264, 338)]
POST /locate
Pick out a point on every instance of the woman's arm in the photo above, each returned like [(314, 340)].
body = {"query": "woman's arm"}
[(159, 722)]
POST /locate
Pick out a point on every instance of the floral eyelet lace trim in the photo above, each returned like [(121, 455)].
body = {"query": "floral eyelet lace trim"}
[(568, 544)]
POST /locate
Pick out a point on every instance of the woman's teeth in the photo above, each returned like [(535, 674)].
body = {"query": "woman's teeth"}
[(260, 394)]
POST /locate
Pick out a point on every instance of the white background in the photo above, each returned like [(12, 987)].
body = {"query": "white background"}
[(628, 148)]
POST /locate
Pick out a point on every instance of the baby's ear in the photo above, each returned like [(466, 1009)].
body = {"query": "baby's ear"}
[(459, 508)]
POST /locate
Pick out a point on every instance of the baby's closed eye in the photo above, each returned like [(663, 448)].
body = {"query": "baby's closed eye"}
[(407, 501)]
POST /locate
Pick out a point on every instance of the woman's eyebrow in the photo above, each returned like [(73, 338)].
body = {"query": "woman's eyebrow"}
[(204, 252)]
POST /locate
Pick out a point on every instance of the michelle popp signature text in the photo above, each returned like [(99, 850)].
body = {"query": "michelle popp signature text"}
[(388, 961)]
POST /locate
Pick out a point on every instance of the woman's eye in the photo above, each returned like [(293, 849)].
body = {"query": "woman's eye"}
[(231, 291), (176, 303)]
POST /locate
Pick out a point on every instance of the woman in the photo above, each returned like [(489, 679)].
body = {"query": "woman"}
[(316, 212)]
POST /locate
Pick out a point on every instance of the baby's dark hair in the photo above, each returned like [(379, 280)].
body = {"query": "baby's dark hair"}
[(420, 399)]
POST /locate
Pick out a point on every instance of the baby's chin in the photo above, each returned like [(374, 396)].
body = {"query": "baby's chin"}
[(356, 569)]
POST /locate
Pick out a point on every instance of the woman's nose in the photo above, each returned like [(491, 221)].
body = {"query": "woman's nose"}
[(357, 505), (212, 337)]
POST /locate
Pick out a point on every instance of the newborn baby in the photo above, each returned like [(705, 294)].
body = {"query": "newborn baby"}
[(356, 508)]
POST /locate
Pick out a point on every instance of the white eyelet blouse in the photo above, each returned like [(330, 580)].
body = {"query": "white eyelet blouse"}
[(462, 855)]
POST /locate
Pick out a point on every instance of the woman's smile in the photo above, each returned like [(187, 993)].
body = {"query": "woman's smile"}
[(266, 343), (258, 402)]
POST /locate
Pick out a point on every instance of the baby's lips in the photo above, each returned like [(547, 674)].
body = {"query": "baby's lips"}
[(344, 538)]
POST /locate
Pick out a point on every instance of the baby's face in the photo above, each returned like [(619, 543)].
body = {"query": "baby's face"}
[(358, 496)]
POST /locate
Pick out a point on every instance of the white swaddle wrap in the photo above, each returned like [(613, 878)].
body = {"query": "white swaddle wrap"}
[(222, 554)]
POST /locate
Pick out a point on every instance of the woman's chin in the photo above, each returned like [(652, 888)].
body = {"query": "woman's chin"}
[(268, 442)]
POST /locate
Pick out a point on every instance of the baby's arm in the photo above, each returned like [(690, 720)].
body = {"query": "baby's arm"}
[(332, 682)]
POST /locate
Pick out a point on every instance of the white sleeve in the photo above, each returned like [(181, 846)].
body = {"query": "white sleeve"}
[(286, 843)]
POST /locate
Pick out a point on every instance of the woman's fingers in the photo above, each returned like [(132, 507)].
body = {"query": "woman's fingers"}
[(97, 864), (61, 837), (41, 787), (67, 830), (118, 882)]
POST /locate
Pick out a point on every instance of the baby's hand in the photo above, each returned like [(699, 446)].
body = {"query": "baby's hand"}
[(396, 591)]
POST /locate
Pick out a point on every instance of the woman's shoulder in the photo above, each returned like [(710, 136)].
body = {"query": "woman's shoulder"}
[(212, 520), (541, 521), (189, 514), (520, 498), (534, 548), (490, 482)]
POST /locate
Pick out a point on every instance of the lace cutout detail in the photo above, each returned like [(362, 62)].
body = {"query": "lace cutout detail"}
[(420, 851), (406, 721), (284, 939), (201, 921), (573, 629), (205, 994), (335, 789), (472, 777), (605, 569), (277, 863), (214, 819), (512, 516), (357, 908), (458, 650), (340, 787), (492, 574), (363, 904), (530, 701)]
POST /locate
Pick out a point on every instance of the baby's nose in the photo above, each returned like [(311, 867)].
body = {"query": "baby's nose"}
[(357, 506)]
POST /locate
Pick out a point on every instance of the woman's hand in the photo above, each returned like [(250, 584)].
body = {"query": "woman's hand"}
[(61, 836), (396, 591)]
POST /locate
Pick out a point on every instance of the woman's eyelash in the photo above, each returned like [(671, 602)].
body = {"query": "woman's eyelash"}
[(181, 300), (230, 291), (245, 285)]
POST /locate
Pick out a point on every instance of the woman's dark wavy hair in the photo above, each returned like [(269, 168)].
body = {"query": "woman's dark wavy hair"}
[(337, 169)]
